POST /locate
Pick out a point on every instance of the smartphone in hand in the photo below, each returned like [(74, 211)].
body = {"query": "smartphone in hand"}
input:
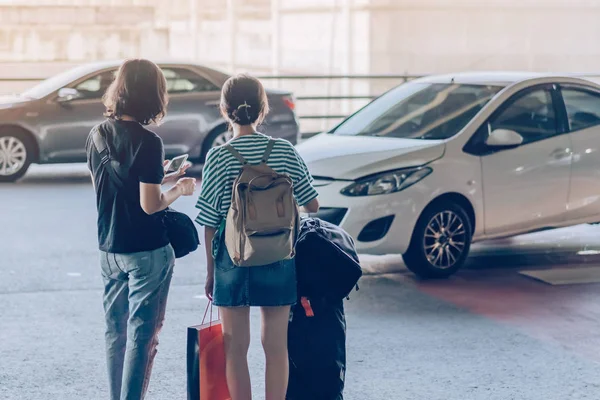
[(174, 166)]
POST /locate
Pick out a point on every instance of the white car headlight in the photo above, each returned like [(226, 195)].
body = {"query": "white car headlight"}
[(387, 182)]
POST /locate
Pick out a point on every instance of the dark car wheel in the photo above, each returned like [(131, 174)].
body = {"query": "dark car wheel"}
[(440, 243), (16, 152), (216, 138)]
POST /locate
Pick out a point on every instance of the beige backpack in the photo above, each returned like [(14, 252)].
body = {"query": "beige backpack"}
[(263, 217)]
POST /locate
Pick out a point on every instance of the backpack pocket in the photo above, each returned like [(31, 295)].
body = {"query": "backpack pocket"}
[(264, 248)]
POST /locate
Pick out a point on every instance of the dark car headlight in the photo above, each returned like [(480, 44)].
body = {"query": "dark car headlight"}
[(387, 182)]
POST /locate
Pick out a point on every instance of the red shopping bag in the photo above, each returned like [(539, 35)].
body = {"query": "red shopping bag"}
[(206, 361)]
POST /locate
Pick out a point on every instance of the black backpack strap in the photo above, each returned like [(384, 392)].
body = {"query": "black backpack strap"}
[(100, 145), (105, 158), (268, 151), (236, 154)]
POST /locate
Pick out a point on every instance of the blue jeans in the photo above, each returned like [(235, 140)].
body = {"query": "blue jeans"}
[(136, 287)]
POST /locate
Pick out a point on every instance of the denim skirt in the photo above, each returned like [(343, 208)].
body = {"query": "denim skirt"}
[(265, 286)]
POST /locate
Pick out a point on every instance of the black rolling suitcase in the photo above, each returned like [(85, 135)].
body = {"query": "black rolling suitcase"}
[(327, 269), (317, 351)]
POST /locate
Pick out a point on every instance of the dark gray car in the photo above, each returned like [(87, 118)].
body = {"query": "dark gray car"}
[(49, 123)]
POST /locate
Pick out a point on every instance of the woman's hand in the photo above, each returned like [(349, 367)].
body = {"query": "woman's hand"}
[(152, 199), (187, 186), (312, 207), (209, 287), (174, 177)]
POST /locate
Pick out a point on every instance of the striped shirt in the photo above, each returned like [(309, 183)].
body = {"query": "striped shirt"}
[(222, 168)]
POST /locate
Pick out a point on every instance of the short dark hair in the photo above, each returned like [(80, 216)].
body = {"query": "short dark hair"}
[(139, 90), (244, 100)]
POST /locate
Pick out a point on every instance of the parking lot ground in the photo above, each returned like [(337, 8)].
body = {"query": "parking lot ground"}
[(568, 316), (487, 333)]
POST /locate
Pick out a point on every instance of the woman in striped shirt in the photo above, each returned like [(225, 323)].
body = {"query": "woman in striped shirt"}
[(235, 289)]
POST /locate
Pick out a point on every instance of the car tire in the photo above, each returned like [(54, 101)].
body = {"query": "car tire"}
[(440, 242), (16, 155), (217, 138)]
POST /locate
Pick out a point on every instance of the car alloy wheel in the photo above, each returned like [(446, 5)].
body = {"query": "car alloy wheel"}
[(222, 138), (445, 239), (13, 156), (215, 138), (441, 240)]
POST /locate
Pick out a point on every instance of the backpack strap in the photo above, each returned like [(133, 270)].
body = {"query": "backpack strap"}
[(100, 145), (268, 151), (236, 154), (105, 158)]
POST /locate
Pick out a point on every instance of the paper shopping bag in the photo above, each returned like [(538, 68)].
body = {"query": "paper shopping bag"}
[(206, 363)]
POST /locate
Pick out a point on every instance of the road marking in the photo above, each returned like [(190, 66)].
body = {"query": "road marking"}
[(588, 252), (200, 296), (73, 274)]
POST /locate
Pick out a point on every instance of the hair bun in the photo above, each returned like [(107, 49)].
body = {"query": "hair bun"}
[(244, 100), (243, 114)]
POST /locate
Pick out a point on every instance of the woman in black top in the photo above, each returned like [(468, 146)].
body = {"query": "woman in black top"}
[(136, 257)]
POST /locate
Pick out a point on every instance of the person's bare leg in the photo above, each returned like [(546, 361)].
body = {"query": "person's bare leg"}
[(274, 341), (236, 333)]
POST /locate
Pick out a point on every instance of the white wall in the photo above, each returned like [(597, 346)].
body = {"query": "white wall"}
[(72, 33), (434, 36)]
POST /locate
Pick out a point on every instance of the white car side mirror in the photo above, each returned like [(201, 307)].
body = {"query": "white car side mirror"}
[(504, 138), (68, 94)]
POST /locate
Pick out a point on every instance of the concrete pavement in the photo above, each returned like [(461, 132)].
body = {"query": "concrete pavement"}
[(487, 333)]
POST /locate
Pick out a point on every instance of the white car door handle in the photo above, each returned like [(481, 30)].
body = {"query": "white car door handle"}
[(560, 153)]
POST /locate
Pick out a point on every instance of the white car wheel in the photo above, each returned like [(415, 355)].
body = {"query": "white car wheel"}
[(441, 241)]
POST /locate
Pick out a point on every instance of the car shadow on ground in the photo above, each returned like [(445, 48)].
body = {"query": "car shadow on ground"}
[(41, 179), (568, 247)]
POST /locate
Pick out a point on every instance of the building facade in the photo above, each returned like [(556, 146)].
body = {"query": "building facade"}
[(311, 36), (304, 37), (79, 33)]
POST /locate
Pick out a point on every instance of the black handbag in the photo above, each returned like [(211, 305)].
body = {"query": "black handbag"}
[(180, 229)]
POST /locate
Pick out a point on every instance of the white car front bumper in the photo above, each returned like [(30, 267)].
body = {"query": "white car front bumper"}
[(374, 213)]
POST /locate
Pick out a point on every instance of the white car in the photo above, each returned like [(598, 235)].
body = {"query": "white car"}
[(440, 162)]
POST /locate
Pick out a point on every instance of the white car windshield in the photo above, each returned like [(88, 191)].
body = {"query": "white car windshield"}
[(419, 110)]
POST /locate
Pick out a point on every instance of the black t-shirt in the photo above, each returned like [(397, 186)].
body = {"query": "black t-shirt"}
[(123, 227)]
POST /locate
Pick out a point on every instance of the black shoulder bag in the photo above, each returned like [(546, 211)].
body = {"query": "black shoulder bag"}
[(180, 229)]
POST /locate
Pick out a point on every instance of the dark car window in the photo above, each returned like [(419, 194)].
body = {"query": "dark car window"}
[(583, 108), (94, 87), (420, 111), (531, 115), (182, 80)]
